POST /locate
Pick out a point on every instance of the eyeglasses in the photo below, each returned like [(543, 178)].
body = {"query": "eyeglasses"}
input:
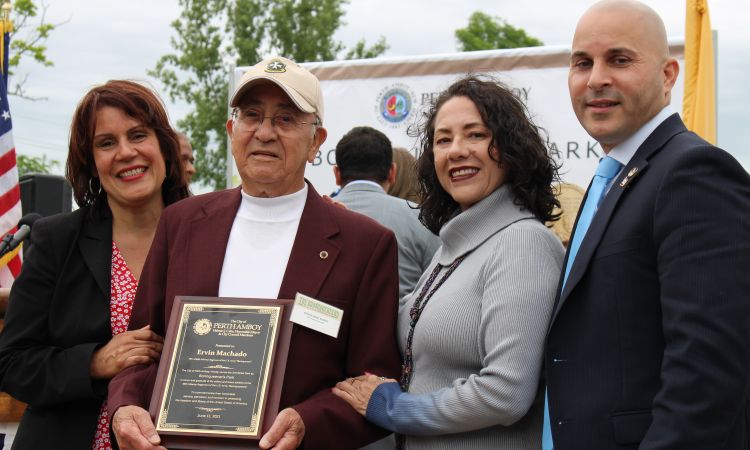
[(252, 119)]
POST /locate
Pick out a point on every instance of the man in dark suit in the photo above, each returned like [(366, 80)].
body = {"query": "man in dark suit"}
[(648, 345), (273, 238), (365, 170)]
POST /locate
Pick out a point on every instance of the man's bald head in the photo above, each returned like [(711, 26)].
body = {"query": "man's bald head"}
[(621, 74), (631, 14)]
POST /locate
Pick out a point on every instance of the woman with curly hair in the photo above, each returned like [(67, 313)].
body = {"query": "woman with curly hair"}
[(472, 332)]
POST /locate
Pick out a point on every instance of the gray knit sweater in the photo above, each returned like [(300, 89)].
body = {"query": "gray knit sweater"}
[(478, 345)]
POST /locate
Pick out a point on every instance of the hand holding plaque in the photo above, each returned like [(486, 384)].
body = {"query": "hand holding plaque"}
[(287, 431), (134, 430), (220, 376)]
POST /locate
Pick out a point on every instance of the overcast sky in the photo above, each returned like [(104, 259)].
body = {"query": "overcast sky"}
[(108, 39)]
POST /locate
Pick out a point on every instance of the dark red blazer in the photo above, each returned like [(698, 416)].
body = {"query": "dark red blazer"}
[(359, 275)]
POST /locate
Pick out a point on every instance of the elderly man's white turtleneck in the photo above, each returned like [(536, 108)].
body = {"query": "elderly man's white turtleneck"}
[(260, 244)]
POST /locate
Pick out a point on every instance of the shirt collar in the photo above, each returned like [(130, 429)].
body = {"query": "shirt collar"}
[(372, 183), (624, 152), (284, 207)]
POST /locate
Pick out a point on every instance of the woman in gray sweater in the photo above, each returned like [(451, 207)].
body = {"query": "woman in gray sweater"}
[(472, 332)]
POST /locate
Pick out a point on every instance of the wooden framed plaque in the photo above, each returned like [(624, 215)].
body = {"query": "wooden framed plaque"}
[(221, 371)]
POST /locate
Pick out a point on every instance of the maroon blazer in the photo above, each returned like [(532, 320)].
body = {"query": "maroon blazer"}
[(359, 275)]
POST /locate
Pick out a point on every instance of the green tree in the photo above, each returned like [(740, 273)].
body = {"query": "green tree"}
[(304, 29), (361, 51), (486, 32), (211, 35), (196, 74), (28, 39), (35, 164)]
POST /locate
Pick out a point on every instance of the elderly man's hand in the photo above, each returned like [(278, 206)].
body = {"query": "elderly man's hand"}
[(286, 433), (134, 430), (357, 391)]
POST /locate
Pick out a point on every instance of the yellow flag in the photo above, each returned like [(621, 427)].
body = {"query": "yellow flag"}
[(699, 101), (6, 26)]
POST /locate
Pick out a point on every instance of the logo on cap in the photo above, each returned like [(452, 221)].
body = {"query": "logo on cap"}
[(276, 67)]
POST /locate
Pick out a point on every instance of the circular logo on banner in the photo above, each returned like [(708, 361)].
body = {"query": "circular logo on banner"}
[(202, 326), (394, 104)]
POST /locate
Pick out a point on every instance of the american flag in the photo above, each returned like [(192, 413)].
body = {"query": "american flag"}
[(10, 193)]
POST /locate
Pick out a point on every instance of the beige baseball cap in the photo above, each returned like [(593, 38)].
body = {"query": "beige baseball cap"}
[(298, 83)]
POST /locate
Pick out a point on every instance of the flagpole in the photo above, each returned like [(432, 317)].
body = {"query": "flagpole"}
[(6, 28)]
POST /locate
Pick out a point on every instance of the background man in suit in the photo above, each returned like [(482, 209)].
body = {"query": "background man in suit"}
[(365, 170), (273, 238), (648, 345)]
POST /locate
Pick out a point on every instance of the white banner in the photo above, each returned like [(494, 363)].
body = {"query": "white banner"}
[(391, 94)]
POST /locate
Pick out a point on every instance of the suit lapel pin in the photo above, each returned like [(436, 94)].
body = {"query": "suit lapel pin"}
[(629, 177), (323, 254)]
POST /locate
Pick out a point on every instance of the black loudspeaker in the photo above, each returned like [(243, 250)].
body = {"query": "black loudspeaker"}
[(45, 194)]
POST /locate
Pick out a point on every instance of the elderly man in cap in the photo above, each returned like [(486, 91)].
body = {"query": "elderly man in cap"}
[(273, 238)]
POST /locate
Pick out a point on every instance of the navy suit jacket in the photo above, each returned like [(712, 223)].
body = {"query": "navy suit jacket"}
[(649, 343), (338, 256)]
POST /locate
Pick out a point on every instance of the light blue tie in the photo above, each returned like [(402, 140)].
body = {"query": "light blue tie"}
[(608, 168)]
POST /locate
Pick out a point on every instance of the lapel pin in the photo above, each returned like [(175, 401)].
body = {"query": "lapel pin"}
[(629, 177), (323, 254)]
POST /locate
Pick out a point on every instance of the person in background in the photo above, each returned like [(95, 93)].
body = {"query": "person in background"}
[(405, 185), (472, 332), (570, 197), (365, 171), (186, 154), (64, 336), (274, 237), (648, 346)]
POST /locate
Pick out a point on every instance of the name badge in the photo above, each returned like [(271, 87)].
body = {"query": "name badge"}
[(316, 315)]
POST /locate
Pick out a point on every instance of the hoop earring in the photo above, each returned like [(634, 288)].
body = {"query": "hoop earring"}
[(94, 193)]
